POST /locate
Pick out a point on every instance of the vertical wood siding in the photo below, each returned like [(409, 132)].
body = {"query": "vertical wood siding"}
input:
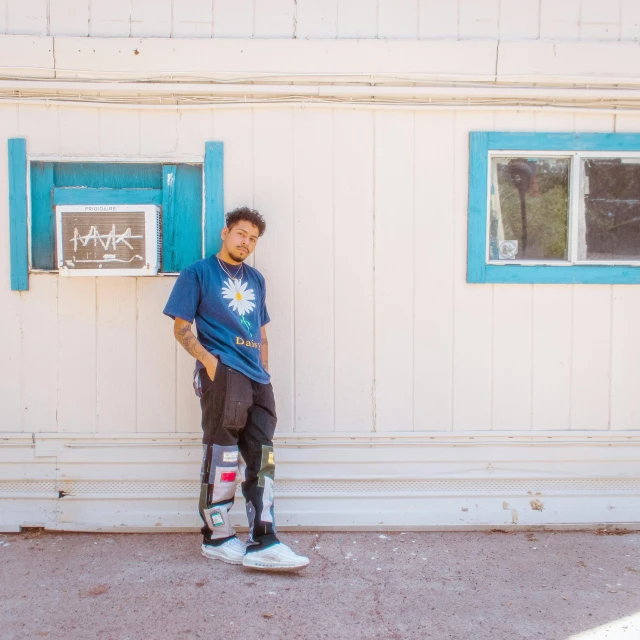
[(116, 355), (373, 324), (40, 355), (433, 270), (394, 260), (490, 19), (314, 269), (353, 230)]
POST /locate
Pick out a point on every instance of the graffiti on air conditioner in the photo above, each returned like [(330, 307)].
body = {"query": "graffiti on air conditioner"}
[(106, 241), (111, 238)]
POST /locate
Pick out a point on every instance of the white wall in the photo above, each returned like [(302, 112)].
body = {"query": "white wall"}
[(406, 397), (374, 327), (424, 19)]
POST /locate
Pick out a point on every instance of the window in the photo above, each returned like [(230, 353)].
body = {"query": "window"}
[(190, 197), (175, 188), (554, 208)]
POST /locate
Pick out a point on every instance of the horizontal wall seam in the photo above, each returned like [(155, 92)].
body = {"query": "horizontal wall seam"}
[(333, 86), (518, 106)]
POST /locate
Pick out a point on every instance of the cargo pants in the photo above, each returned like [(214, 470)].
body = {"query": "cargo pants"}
[(238, 423)]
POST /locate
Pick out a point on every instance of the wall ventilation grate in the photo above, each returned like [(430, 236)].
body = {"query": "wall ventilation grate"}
[(462, 487)]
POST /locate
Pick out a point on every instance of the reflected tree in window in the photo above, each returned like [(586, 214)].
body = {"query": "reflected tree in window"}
[(529, 208)]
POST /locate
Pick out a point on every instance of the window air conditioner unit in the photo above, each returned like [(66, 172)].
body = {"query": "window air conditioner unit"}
[(108, 240)]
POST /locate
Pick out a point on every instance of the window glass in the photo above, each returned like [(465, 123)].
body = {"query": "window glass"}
[(609, 218), (529, 208)]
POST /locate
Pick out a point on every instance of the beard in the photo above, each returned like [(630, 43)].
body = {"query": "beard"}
[(239, 256)]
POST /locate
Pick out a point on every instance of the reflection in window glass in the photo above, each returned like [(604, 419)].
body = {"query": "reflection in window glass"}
[(529, 208), (609, 224)]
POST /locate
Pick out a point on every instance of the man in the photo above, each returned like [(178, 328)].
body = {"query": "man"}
[(226, 298)]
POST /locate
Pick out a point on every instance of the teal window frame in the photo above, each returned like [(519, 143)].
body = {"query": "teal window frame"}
[(191, 196), (481, 143)]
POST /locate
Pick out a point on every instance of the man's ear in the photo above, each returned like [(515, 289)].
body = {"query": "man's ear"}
[(224, 232)]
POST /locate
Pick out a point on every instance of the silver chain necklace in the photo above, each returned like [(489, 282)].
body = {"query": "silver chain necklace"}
[(239, 271)]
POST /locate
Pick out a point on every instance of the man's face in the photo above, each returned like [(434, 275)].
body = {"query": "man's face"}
[(240, 240)]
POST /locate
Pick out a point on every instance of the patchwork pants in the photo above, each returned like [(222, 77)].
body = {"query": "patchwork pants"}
[(238, 417)]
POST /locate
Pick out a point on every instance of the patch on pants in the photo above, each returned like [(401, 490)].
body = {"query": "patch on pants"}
[(217, 519), (218, 487), (216, 457), (266, 477), (267, 465), (215, 515)]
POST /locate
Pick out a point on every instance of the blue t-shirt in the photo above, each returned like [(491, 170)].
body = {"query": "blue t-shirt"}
[(228, 313)]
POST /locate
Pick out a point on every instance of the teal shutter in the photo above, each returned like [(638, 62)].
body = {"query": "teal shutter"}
[(181, 216), (18, 242), (213, 196), (43, 221)]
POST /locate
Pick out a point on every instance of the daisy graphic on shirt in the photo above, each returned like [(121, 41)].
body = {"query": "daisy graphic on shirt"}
[(241, 297)]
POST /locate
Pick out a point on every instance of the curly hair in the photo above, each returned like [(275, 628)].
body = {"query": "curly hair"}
[(250, 215)]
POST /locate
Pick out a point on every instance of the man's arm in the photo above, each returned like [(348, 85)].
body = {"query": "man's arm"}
[(264, 349), (184, 335)]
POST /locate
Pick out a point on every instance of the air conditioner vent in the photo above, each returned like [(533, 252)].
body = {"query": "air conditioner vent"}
[(108, 240)]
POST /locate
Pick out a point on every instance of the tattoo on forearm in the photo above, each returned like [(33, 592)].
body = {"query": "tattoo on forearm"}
[(190, 343)]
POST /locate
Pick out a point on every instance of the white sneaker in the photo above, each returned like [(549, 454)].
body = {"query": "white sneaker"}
[(277, 557), (231, 551)]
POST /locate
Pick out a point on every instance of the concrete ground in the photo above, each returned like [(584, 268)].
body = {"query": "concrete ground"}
[(444, 586)]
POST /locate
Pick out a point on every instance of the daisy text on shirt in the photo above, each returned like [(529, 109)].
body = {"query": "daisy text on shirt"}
[(248, 343)]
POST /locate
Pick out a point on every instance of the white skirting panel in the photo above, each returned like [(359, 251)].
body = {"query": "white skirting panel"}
[(407, 481)]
